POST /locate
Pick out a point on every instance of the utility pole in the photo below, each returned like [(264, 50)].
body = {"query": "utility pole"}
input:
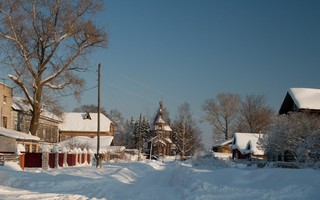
[(98, 156), (139, 142)]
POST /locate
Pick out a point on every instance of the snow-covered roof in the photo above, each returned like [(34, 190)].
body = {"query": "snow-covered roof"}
[(305, 98), (247, 143), (160, 124), (105, 142), (160, 120), (17, 134), (81, 122), (222, 143), (164, 127), (22, 104), (161, 140)]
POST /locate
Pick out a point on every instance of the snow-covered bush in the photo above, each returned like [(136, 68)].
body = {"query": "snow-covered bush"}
[(293, 137)]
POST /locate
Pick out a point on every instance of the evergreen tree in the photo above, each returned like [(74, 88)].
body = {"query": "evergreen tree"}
[(186, 134), (140, 132)]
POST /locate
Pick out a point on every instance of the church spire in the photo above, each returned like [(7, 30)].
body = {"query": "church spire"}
[(161, 107)]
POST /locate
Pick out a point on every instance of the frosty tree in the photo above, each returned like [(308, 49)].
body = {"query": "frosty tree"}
[(186, 134), (294, 137), (45, 43)]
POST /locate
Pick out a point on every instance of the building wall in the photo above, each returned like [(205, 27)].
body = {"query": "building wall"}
[(5, 106), (68, 135), (7, 144), (48, 129)]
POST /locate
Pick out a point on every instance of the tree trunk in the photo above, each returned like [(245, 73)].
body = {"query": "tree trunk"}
[(34, 123), (36, 110)]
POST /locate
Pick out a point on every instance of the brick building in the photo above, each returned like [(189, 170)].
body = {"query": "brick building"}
[(5, 106)]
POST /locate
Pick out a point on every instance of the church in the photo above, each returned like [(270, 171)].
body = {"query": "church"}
[(160, 141)]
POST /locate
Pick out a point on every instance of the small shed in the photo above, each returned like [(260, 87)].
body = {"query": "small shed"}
[(223, 146), (9, 140)]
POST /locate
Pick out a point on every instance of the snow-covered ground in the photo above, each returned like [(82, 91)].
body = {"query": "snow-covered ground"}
[(204, 179)]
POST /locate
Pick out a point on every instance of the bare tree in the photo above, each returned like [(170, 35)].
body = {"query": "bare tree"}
[(255, 116), (45, 43), (221, 113), (116, 117), (186, 134)]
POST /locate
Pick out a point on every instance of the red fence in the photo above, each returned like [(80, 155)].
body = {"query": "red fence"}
[(72, 159), (60, 160), (51, 160), (33, 160)]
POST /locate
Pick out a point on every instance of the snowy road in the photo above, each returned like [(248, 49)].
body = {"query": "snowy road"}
[(155, 180)]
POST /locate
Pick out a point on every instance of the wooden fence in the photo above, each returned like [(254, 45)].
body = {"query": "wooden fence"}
[(54, 160)]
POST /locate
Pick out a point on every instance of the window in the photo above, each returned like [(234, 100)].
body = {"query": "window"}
[(34, 148), (4, 99), (27, 147), (5, 122)]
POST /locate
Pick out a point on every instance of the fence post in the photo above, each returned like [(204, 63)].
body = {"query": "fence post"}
[(80, 156), (22, 160), (45, 160), (56, 156), (65, 151), (21, 153), (45, 157)]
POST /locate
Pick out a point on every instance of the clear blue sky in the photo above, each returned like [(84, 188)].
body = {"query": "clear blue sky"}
[(189, 51)]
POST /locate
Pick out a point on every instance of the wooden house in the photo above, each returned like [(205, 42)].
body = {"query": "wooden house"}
[(301, 100), (245, 146), (84, 124)]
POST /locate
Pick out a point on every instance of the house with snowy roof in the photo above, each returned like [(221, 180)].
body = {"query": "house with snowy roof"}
[(301, 100), (21, 118), (160, 143), (84, 124), (10, 139), (245, 146)]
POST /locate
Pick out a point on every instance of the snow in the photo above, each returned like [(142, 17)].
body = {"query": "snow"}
[(17, 134), (306, 98), (20, 149), (198, 179), (222, 142), (74, 121)]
